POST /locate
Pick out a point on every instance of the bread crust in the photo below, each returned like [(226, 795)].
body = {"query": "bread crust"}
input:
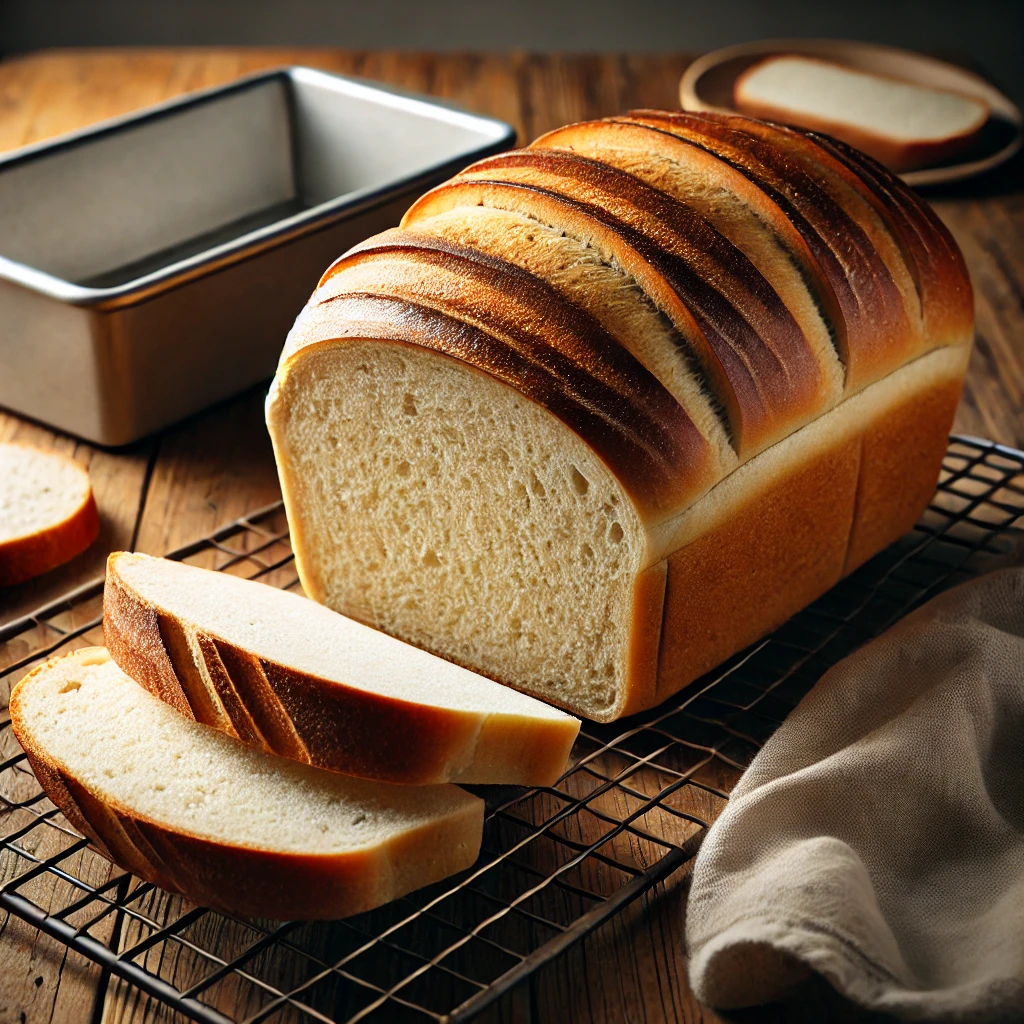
[(898, 480), (750, 220), (779, 551), (248, 881), (820, 516), (879, 334), (745, 338), (295, 714), (23, 558), (937, 265), (645, 641)]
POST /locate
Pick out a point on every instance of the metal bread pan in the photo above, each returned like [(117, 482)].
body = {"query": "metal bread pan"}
[(152, 265)]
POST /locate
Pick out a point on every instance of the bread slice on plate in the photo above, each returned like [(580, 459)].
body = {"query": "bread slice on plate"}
[(902, 124), (192, 810), (47, 512), (293, 677)]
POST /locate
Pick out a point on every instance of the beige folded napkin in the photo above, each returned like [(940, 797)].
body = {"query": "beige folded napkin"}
[(878, 837)]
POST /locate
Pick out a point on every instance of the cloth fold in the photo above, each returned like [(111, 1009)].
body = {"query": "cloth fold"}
[(878, 837)]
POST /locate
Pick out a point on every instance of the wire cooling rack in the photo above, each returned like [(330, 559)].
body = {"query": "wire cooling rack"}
[(556, 861)]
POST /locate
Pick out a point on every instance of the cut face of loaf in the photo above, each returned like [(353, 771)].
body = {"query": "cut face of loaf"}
[(496, 529), (196, 812), (727, 382), (296, 679)]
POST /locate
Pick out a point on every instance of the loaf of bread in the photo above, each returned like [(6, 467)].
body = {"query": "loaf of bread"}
[(904, 125), (294, 678), (607, 409), (196, 812), (47, 512)]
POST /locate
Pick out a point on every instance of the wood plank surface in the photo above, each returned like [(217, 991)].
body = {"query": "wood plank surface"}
[(168, 490)]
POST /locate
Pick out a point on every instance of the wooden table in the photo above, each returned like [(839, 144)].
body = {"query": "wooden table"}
[(166, 491)]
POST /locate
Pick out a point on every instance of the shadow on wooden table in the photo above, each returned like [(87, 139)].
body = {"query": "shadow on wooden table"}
[(814, 1002)]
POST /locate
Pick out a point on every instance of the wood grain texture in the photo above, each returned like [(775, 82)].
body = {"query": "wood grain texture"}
[(167, 491)]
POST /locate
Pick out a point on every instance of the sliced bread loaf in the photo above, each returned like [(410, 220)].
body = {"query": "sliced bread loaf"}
[(293, 677), (190, 809), (902, 124), (47, 512), (608, 409)]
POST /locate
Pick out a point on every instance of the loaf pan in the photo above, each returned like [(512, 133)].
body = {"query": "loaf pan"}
[(152, 265)]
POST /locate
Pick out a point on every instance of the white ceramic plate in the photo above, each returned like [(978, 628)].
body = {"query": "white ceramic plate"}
[(708, 85)]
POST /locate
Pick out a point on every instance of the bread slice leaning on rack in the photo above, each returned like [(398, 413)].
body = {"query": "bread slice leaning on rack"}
[(294, 678), (605, 410), (193, 811)]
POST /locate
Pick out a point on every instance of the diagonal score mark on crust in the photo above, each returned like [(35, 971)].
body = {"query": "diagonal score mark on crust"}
[(763, 399), (871, 303), (599, 285), (734, 206), (935, 262), (248, 675), (187, 664), (227, 691), (721, 283)]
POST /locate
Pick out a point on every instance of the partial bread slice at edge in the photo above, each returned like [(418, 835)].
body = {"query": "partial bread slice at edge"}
[(193, 811), (293, 677), (47, 512), (759, 91)]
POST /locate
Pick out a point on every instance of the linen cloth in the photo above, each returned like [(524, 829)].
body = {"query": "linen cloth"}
[(878, 836)]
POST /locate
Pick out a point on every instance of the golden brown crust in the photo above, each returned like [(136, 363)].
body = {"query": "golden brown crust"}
[(132, 634), (781, 550), (900, 463), (695, 176), (322, 722), (24, 558), (879, 335), (817, 515), (645, 640), (745, 338), (933, 258)]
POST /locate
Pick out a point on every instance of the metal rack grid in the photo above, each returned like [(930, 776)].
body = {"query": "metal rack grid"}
[(556, 862)]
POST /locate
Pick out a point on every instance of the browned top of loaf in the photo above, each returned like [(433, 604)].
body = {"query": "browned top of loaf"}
[(880, 336), (745, 338), (937, 265), (889, 281)]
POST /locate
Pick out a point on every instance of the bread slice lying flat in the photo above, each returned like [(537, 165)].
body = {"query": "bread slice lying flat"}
[(293, 677), (47, 512), (190, 809), (901, 124)]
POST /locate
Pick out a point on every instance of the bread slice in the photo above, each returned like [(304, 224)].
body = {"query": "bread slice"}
[(902, 124), (188, 808), (47, 512), (290, 676)]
